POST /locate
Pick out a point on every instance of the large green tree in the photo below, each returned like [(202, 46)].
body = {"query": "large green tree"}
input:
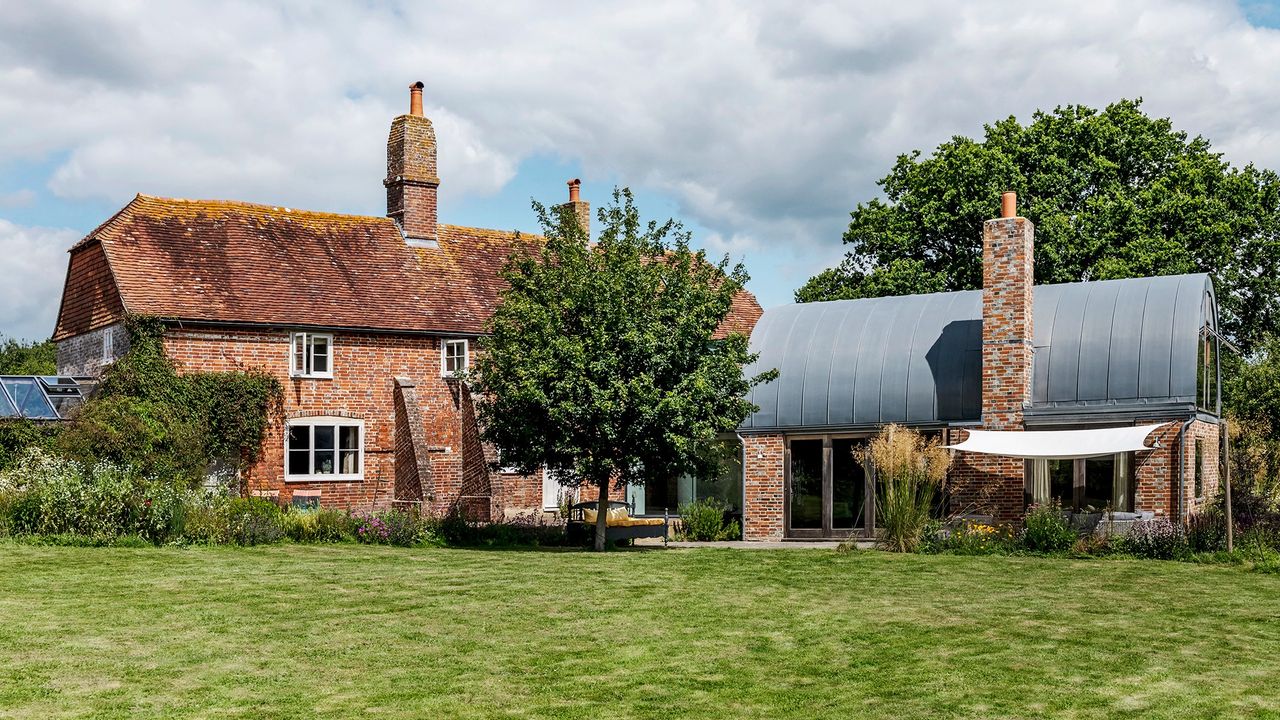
[(601, 359), (27, 358), (1113, 194)]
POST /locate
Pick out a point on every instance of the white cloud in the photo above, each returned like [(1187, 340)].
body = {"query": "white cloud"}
[(17, 198), (35, 263), (765, 122)]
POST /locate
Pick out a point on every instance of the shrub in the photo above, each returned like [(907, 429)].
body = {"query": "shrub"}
[(252, 521), (704, 520), (1094, 545), (968, 538), (24, 514), (1158, 539), (1044, 529), (911, 470), (325, 525), (1207, 532), (388, 527), (454, 529), (529, 529), (203, 521)]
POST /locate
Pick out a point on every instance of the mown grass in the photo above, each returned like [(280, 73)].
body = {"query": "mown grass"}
[(358, 631)]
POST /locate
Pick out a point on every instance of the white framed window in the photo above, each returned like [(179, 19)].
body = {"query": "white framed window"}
[(108, 345), (311, 355), (553, 493), (324, 448), (454, 357)]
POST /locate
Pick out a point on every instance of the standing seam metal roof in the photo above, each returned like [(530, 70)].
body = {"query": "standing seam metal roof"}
[(917, 359)]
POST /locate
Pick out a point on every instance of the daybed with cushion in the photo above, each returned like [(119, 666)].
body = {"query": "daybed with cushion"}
[(619, 525)]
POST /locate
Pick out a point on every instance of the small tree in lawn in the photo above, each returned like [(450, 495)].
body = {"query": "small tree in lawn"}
[(600, 360)]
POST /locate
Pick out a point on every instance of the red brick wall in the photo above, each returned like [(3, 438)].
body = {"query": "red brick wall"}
[(984, 483), (1156, 472), (1007, 328), (764, 486), (412, 180), (363, 386)]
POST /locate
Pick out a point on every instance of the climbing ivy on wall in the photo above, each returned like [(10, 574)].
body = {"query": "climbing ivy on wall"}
[(172, 424)]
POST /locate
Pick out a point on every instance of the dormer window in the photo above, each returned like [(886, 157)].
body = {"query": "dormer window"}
[(453, 357), (311, 355)]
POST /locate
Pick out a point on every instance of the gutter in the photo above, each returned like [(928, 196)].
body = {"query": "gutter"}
[(183, 324)]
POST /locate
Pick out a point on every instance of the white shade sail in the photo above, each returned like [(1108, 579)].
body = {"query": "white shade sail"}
[(1057, 444)]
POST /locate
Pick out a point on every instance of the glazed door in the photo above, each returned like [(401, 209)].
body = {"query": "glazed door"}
[(826, 488), (806, 500)]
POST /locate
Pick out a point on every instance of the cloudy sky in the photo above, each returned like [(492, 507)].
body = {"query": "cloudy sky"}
[(760, 125)]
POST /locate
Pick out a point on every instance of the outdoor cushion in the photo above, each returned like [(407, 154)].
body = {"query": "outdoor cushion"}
[(636, 522), (619, 517)]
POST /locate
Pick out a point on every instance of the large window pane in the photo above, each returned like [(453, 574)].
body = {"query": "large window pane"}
[(6, 408), (661, 496), (806, 484), (349, 449), (326, 459), (1099, 483), (848, 484), (299, 462), (299, 450), (725, 482), (30, 398), (319, 354), (1062, 482)]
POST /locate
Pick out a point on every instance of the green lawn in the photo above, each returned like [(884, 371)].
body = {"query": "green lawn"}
[(354, 631)]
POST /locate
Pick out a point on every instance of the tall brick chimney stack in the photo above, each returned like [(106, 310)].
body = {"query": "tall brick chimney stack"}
[(580, 208), (411, 181), (1008, 350)]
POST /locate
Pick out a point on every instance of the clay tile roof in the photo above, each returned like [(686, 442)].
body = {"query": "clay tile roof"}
[(235, 262)]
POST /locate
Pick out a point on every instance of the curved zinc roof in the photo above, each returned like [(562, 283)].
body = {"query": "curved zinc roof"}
[(917, 359)]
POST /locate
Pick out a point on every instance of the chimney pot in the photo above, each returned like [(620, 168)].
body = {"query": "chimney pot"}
[(1008, 204), (415, 98), (575, 186)]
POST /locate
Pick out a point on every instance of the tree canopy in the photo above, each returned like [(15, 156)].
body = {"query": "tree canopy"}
[(601, 359), (1113, 194), (27, 358)]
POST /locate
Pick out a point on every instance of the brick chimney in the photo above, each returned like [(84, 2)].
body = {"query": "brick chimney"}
[(580, 208), (1008, 350), (411, 173)]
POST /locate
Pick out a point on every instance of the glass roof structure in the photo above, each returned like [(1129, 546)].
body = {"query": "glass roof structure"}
[(35, 397)]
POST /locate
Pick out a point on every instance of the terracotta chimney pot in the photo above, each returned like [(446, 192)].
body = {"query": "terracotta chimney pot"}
[(415, 98), (1008, 204), (575, 186)]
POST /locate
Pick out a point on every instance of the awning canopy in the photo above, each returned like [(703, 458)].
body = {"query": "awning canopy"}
[(1057, 444)]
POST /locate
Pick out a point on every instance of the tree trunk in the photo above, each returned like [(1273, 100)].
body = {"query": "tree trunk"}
[(602, 515)]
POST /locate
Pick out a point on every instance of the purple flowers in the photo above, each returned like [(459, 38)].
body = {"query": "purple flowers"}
[(391, 527)]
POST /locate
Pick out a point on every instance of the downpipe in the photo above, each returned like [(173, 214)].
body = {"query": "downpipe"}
[(1182, 468), (742, 444)]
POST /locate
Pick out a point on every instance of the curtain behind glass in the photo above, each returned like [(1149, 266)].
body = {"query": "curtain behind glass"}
[(1123, 486), (1040, 482)]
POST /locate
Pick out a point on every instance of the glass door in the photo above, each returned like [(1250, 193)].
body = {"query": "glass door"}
[(827, 493), (848, 487), (805, 496)]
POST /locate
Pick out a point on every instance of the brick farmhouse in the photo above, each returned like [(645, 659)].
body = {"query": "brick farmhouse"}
[(366, 320)]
